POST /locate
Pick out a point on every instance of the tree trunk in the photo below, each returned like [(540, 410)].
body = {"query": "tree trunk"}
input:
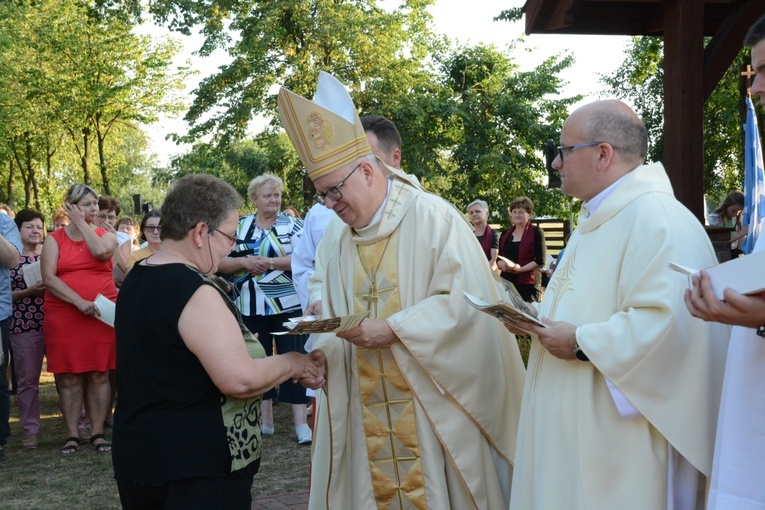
[(9, 184), (85, 156), (101, 138), (30, 173), (20, 165)]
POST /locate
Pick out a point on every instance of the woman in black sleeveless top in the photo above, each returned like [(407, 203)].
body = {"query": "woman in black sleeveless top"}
[(187, 424)]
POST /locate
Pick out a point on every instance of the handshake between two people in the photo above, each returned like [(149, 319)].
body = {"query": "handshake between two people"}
[(312, 369)]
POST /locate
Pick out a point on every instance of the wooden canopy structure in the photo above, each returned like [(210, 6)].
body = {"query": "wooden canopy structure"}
[(691, 70)]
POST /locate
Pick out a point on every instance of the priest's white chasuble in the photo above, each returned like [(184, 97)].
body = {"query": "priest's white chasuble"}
[(575, 450)]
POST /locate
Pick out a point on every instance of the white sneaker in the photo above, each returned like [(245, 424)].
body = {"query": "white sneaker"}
[(268, 430), (304, 434)]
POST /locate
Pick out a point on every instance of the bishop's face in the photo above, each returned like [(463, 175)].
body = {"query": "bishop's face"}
[(351, 186), (758, 63)]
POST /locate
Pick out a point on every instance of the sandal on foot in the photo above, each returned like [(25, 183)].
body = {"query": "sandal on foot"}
[(103, 447), (70, 449)]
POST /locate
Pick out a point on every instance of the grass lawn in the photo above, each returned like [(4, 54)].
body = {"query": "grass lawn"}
[(41, 479)]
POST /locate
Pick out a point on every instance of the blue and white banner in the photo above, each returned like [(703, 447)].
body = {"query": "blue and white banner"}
[(754, 180)]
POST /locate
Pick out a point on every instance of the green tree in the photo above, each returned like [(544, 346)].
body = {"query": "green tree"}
[(71, 72), (477, 126), (243, 160), (287, 43), (29, 129), (472, 123), (109, 77)]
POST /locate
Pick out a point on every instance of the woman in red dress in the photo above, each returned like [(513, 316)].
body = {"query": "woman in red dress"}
[(76, 264)]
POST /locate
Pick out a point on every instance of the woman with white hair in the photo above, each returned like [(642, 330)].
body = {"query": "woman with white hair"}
[(478, 211), (264, 291)]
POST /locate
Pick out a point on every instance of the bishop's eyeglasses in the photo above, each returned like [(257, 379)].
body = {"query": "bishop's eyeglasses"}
[(334, 192)]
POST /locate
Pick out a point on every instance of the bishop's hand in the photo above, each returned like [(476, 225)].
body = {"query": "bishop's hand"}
[(370, 334), (314, 309)]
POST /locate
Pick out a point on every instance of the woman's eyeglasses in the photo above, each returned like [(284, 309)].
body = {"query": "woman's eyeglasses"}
[(231, 239), (153, 228)]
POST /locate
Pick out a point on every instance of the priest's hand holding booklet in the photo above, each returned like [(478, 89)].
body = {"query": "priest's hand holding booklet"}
[(729, 293), (743, 275), (509, 311)]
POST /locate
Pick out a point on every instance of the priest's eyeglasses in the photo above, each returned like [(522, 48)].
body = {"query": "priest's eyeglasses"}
[(561, 148), (334, 192)]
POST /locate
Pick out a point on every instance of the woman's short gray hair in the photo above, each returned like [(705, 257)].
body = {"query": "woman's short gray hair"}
[(267, 178), (197, 198), (76, 191), (481, 203)]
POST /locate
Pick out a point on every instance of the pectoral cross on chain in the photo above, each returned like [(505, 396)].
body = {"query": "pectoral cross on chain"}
[(372, 297)]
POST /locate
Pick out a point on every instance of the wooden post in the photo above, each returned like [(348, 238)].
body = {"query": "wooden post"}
[(684, 104), (720, 237)]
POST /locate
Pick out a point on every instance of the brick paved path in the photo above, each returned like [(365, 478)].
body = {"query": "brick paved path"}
[(295, 501)]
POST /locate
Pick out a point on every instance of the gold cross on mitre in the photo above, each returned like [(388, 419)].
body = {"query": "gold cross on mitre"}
[(749, 73)]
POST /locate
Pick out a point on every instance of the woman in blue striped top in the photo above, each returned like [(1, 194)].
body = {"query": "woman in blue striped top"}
[(263, 288)]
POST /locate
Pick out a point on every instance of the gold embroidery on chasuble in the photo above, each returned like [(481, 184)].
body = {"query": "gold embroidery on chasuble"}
[(386, 399)]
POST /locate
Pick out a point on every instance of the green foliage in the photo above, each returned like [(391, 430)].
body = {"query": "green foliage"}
[(477, 127), (78, 84), (241, 161), (640, 79), (288, 43), (514, 14)]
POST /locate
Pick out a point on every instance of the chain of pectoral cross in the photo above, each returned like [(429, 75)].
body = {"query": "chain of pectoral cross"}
[(372, 296)]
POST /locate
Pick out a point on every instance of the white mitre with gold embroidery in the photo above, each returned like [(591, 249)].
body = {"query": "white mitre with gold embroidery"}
[(326, 132)]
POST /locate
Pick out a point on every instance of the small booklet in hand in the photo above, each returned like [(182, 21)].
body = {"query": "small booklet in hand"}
[(106, 307), (310, 324), (511, 311), (32, 274)]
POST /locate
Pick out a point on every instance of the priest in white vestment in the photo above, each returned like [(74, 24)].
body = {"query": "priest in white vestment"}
[(422, 399), (738, 473), (622, 388)]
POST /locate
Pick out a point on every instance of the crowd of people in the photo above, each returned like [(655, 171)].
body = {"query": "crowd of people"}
[(636, 393)]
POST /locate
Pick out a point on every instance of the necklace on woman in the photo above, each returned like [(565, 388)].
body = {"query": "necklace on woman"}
[(182, 258)]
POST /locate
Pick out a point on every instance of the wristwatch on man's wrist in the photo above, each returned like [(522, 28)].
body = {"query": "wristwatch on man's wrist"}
[(270, 264), (579, 353), (761, 331)]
